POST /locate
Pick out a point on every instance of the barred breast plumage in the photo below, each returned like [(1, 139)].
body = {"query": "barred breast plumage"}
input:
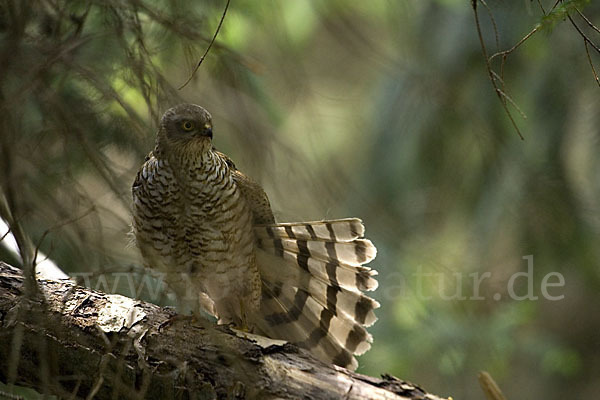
[(210, 230)]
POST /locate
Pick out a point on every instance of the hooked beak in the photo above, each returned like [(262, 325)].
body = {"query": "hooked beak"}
[(206, 132)]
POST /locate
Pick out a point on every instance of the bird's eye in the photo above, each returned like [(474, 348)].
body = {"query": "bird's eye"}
[(187, 126)]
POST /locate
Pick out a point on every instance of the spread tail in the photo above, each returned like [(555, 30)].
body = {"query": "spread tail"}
[(313, 280)]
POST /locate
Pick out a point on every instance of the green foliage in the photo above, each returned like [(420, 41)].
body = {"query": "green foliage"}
[(561, 12)]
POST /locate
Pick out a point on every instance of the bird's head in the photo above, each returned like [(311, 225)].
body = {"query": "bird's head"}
[(186, 127)]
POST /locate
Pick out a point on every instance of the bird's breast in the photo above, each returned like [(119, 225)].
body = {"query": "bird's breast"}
[(216, 219)]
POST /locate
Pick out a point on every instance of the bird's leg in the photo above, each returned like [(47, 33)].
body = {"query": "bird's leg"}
[(244, 327)]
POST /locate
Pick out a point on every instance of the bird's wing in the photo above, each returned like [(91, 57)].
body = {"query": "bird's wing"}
[(253, 193)]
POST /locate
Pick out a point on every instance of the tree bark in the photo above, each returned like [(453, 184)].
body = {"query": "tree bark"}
[(74, 342)]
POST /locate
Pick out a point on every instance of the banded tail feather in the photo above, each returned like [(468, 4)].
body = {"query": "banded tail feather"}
[(339, 230), (327, 291), (293, 314), (313, 280)]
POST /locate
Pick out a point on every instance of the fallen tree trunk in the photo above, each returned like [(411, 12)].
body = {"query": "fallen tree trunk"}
[(75, 342)]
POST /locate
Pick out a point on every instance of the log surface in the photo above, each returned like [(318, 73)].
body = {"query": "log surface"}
[(74, 342)]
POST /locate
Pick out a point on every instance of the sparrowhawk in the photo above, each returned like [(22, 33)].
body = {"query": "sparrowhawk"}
[(210, 229)]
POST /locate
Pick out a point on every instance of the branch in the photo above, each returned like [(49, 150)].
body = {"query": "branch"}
[(74, 342), (488, 63), (209, 46)]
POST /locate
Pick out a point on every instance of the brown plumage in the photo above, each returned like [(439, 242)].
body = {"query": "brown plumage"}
[(210, 229)]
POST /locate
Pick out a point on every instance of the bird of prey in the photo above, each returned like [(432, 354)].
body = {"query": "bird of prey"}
[(210, 230)]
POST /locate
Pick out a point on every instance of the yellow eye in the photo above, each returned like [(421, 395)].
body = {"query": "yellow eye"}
[(187, 126)]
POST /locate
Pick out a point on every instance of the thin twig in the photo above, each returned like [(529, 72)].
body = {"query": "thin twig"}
[(587, 42), (587, 52), (57, 226), (6, 234), (498, 77), (209, 46), (490, 387), (590, 24), (585, 38), (501, 95), (495, 27), (541, 7), (511, 101), (519, 43)]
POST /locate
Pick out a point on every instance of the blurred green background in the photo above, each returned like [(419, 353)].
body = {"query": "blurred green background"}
[(381, 110)]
